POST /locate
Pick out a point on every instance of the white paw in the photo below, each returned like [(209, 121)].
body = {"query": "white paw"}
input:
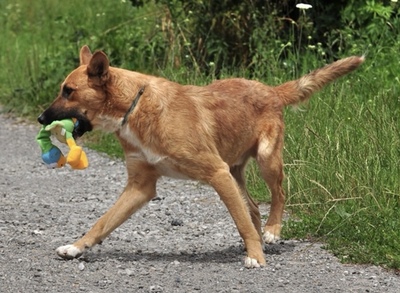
[(268, 237), (69, 251), (251, 263)]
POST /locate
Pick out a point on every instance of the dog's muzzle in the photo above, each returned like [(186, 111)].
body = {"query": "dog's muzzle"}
[(82, 124)]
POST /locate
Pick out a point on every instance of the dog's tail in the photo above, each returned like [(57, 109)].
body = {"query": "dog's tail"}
[(296, 91)]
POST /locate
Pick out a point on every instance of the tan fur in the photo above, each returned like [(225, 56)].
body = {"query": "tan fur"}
[(202, 133)]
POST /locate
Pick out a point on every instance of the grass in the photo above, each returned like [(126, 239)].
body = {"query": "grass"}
[(342, 149), (40, 41), (343, 169)]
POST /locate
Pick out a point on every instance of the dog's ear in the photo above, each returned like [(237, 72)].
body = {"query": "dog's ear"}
[(85, 55), (98, 67)]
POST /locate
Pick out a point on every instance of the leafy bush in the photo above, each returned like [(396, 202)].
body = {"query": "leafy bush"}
[(211, 35)]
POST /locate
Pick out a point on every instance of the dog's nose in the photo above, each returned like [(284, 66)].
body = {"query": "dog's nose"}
[(41, 119)]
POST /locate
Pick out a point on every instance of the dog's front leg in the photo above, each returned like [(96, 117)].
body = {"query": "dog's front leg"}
[(135, 195)]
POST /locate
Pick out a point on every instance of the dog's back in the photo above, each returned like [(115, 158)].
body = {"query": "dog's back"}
[(237, 112)]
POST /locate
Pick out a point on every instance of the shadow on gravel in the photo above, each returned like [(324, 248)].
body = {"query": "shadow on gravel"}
[(279, 248), (229, 255)]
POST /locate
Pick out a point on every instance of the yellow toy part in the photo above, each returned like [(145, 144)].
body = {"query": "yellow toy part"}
[(76, 157)]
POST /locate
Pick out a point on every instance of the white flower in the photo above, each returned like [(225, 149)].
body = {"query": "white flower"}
[(304, 6), (395, 1)]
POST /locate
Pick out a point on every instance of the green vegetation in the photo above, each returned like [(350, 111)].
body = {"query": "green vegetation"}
[(342, 150)]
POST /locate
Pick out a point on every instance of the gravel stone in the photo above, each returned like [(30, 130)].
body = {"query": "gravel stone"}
[(183, 241)]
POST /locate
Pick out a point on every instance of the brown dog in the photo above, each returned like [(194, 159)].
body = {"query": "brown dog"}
[(189, 132)]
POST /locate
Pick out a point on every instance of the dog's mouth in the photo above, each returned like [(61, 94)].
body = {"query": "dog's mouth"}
[(81, 126), (82, 123)]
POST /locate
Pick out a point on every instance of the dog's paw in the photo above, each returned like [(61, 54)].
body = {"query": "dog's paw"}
[(272, 233), (270, 238), (251, 263), (69, 252)]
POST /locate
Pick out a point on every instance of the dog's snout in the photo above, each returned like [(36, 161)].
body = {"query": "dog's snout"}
[(41, 119)]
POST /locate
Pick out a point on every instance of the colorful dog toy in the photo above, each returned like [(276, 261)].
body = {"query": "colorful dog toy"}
[(52, 155)]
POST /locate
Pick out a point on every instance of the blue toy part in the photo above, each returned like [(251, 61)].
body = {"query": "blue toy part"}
[(53, 158)]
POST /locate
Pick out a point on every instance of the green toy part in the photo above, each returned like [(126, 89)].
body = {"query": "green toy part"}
[(51, 155)]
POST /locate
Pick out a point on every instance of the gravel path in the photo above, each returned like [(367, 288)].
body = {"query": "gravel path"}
[(184, 241)]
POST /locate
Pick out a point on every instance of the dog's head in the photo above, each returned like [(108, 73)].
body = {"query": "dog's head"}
[(83, 93)]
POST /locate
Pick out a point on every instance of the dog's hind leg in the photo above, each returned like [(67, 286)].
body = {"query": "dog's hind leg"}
[(239, 174), (140, 189), (269, 159)]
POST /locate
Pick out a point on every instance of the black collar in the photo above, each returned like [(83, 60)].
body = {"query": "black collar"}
[(134, 103)]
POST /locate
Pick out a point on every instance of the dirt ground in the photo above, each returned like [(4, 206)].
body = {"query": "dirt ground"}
[(184, 241)]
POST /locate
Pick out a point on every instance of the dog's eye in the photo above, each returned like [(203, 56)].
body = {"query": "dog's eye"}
[(66, 91)]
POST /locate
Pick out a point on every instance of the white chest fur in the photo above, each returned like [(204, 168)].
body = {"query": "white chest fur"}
[(164, 164), (149, 155)]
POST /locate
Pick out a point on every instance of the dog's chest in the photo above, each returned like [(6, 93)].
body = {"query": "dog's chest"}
[(165, 165)]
